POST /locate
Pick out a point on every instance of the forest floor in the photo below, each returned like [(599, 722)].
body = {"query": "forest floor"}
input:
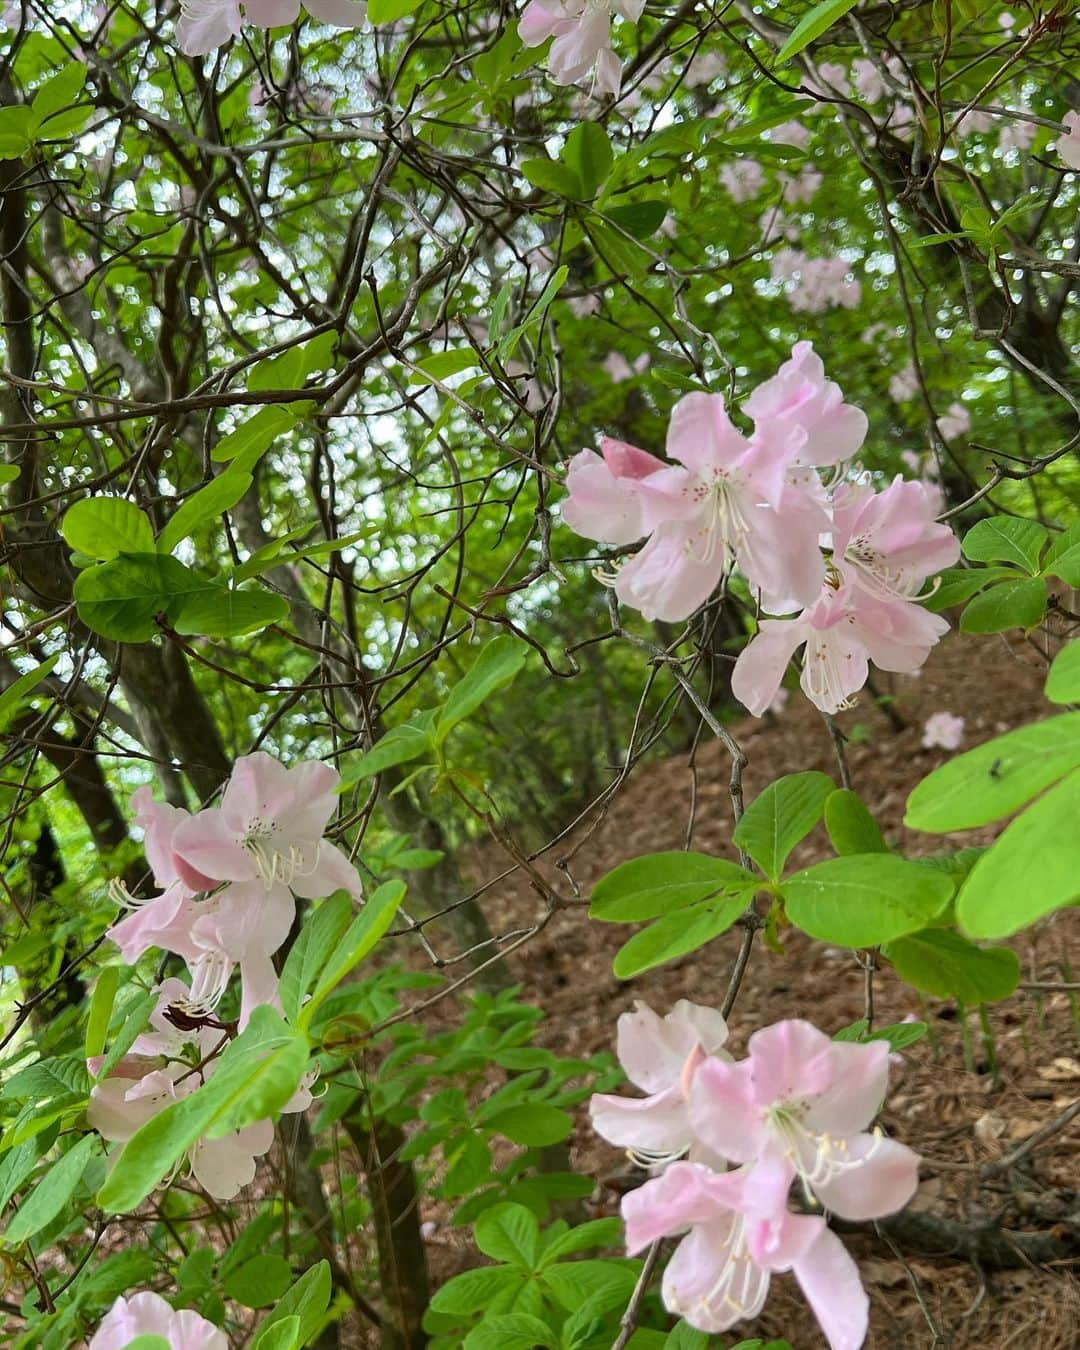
[(947, 1100)]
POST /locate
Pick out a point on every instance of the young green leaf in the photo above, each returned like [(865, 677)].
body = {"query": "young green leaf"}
[(1063, 680), (656, 884), (24, 685), (497, 665), (1012, 539), (851, 827), (940, 961), (52, 1192), (362, 935), (509, 1233), (103, 527), (210, 502), (995, 778), (812, 25), (1009, 604), (780, 816), (679, 933), (865, 899), (1031, 870)]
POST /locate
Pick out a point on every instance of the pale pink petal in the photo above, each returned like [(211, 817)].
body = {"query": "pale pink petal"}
[(575, 50), (341, 13), (656, 1124), (653, 1050), (206, 24), (781, 557), (223, 1167), (759, 671), (207, 846), (148, 1314), (665, 580), (271, 13), (882, 1184), (693, 1288), (330, 872), (163, 922), (788, 1061), (602, 503), (724, 1112), (829, 1279), (684, 1194), (540, 21), (258, 985), (860, 1075), (702, 436)]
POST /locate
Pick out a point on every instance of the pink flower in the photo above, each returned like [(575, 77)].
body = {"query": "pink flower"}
[(800, 398), (944, 730), (738, 1233), (147, 1314), (269, 828), (619, 368), (868, 79), (206, 24), (582, 33), (842, 631), (1017, 135), (802, 187), (802, 1102), (164, 1065), (791, 133), (904, 384), (954, 423), (743, 178), (834, 77), (660, 1056), (887, 543), (727, 498), (1068, 146), (604, 503)]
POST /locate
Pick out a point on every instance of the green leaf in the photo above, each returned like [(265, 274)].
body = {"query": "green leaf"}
[(995, 778), (135, 1017), (401, 744), (18, 126), (291, 368), (217, 611), (657, 883), (474, 1290), (572, 1281), (550, 175), (510, 1331), (535, 1126), (121, 599), (210, 502), (865, 899), (851, 827), (960, 583), (20, 688), (441, 365), (306, 1301), (588, 153), (510, 1234), (497, 665), (254, 1078), (60, 91), (811, 26), (595, 1233), (1009, 604), (284, 1335), (52, 1192), (247, 443), (640, 219), (148, 1341), (940, 961), (321, 934), (103, 527), (258, 1282), (1062, 682), (362, 935), (386, 11), (677, 934), (1031, 870), (1062, 558), (1012, 539), (780, 817), (686, 1337), (101, 1006)]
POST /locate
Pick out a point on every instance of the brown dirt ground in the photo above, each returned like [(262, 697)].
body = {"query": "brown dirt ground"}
[(951, 1110)]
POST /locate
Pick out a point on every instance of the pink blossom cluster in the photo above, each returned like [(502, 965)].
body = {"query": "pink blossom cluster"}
[(206, 24), (797, 1109), (844, 562), (943, 730), (148, 1314), (164, 1065), (229, 874), (817, 283), (743, 178), (582, 33)]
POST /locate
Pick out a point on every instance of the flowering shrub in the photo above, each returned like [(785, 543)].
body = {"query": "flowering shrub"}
[(327, 755)]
